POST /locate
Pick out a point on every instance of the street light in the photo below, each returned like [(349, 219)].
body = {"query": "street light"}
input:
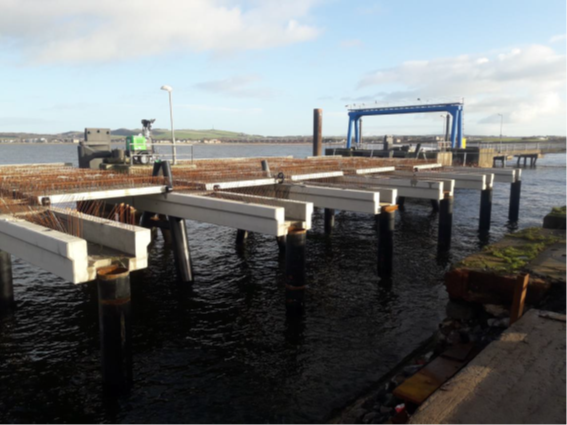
[(169, 90), (501, 118)]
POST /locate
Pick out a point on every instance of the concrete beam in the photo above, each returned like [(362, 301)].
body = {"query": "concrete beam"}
[(126, 238), (407, 187), (295, 211), (101, 194), (462, 180), (240, 183), (265, 219), (426, 166), (501, 175), (61, 254), (335, 198), (325, 175), (72, 258), (374, 170)]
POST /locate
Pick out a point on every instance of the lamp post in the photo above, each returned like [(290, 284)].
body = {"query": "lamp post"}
[(169, 90), (501, 118)]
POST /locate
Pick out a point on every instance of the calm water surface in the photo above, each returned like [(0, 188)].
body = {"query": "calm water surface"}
[(221, 350)]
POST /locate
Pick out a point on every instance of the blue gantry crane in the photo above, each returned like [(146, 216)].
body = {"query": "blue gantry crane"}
[(455, 109)]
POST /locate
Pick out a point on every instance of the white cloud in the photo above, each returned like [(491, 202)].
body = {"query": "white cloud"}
[(347, 44), (523, 84), (558, 38), (75, 31), (238, 86)]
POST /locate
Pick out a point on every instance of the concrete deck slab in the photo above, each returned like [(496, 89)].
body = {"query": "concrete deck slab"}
[(520, 378)]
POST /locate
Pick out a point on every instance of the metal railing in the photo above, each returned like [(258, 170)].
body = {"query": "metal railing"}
[(511, 148)]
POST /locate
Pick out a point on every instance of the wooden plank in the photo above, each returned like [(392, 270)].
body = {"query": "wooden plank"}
[(520, 290), (417, 388)]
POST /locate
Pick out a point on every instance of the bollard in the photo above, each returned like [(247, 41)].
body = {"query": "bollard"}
[(445, 222), (295, 271), (329, 220), (386, 224), (485, 210), (317, 132), (6, 283), (514, 209), (115, 332), (241, 236), (401, 201)]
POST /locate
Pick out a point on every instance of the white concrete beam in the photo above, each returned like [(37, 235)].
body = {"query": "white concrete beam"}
[(61, 254), (462, 180), (246, 216), (126, 238), (335, 198), (426, 166), (240, 183), (102, 194), (73, 258), (295, 211), (324, 175), (501, 175), (374, 170), (407, 187)]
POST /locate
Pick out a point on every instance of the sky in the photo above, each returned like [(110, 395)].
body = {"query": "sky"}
[(262, 66)]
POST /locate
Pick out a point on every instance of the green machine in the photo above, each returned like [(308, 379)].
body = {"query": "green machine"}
[(139, 148)]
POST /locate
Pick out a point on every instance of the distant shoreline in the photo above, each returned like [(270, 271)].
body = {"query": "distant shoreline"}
[(179, 144)]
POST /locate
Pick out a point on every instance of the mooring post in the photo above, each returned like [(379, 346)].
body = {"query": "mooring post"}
[(145, 221), (485, 209), (386, 224), (6, 283), (178, 230), (435, 205), (514, 209), (241, 236), (445, 222), (317, 132), (295, 270), (181, 251), (115, 332), (329, 220), (401, 202), (281, 240), (266, 168)]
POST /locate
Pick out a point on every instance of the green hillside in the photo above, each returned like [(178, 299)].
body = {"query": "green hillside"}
[(201, 134)]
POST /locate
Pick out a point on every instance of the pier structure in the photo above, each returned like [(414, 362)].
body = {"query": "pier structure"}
[(84, 225)]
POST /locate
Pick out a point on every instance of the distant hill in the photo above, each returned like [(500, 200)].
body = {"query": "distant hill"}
[(157, 133)]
